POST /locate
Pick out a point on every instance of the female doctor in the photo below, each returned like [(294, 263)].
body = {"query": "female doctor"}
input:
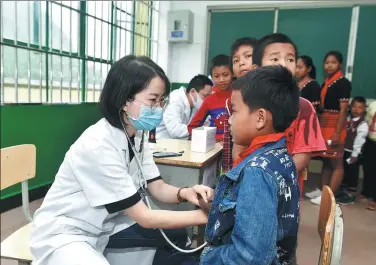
[(96, 190)]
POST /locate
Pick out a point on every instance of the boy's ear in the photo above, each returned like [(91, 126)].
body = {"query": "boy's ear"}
[(261, 119), (193, 94), (254, 67)]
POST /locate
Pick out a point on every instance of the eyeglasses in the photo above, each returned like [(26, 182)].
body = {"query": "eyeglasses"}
[(153, 107), (228, 108)]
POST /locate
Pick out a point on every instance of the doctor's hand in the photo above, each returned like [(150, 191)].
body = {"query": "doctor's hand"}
[(190, 194)]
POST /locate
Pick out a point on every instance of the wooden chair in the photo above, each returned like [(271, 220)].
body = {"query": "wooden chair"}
[(338, 237), (18, 165), (330, 229)]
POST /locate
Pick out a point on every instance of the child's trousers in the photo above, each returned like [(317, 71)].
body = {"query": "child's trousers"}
[(351, 174)]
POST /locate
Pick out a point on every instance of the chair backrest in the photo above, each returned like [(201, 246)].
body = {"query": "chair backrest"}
[(18, 163), (326, 225), (337, 237)]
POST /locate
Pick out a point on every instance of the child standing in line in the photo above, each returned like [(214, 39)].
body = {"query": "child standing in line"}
[(215, 104), (357, 131), (334, 103), (254, 215), (306, 74), (369, 165), (304, 136), (241, 61)]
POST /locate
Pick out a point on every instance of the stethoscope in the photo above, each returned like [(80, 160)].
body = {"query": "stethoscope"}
[(143, 182)]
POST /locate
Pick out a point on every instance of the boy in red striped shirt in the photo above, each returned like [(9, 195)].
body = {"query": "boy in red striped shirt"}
[(214, 105)]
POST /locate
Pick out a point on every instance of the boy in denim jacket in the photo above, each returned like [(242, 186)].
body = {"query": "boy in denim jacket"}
[(254, 215)]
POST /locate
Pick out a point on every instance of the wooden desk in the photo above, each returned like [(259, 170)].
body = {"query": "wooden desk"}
[(187, 170), (189, 158)]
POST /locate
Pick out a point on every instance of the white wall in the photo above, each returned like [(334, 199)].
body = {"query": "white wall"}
[(163, 44), (186, 60)]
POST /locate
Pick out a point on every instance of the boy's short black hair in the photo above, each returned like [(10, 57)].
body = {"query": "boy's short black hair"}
[(258, 50), (220, 60), (336, 54), (199, 82), (272, 88), (359, 100), (245, 41), (127, 77)]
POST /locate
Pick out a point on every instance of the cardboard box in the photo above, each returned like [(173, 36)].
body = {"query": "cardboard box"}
[(203, 139)]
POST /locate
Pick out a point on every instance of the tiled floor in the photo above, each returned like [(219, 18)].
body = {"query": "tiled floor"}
[(359, 245)]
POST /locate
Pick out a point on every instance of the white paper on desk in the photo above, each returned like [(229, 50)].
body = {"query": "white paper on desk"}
[(155, 148), (203, 139)]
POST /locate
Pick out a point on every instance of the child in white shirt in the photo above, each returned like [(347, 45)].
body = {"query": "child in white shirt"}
[(357, 131)]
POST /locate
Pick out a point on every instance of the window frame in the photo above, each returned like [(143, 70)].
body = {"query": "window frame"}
[(82, 55)]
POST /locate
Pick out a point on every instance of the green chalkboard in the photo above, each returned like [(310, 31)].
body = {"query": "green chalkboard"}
[(314, 30), (226, 27), (364, 74), (317, 31)]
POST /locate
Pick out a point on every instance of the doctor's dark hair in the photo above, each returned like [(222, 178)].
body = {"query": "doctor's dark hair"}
[(199, 82), (220, 60), (126, 78), (272, 88), (258, 50), (309, 63)]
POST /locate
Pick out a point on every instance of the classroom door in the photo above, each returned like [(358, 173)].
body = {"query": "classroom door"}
[(226, 27)]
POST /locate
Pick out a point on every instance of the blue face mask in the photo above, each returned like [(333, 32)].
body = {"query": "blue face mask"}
[(148, 119)]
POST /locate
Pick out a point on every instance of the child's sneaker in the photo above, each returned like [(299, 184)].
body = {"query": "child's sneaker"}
[(340, 193), (346, 199), (313, 194), (372, 206), (316, 200)]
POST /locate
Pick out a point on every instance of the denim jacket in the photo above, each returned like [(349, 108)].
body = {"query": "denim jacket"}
[(254, 215)]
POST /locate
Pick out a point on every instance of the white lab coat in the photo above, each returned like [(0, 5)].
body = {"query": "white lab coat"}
[(96, 171), (176, 117)]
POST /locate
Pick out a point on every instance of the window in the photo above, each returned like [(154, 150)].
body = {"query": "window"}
[(61, 51)]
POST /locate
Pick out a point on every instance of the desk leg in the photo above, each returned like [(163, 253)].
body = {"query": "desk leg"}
[(183, 176), (208, 176), (201, 235)]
